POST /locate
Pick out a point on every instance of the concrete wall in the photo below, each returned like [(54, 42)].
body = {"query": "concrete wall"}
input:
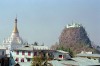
[(20, 56), (56, 55)]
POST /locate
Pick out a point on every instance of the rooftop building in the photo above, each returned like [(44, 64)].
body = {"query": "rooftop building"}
[(73, 25), (26, 53)]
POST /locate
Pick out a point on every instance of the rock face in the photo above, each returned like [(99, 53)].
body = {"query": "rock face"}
[(75, 37)]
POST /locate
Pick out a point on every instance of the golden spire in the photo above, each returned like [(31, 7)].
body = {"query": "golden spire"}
[(15, 30)]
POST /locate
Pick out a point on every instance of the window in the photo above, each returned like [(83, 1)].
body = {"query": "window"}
[(22, 60), (35, 53), (17, 59), (23, 52), (28, 59), (60, 56), (2, 52), (17, 52), (29, 53)]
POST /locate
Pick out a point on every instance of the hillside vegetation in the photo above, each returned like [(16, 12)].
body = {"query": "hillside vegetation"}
[(74, 38)]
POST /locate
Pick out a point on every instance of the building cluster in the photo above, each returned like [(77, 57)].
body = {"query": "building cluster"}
[(19, 51), (15, 51)]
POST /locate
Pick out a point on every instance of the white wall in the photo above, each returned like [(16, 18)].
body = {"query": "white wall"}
[(56, 55), (20, 56)]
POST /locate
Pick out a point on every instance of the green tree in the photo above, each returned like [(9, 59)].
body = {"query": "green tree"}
[(36, 43), (37, 61), (71, 53), (41, 60)]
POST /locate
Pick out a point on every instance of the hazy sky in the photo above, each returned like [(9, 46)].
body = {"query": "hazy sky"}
[(44, 20)]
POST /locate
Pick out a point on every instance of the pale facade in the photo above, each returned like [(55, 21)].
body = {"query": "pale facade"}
[(25, 54), (73, 25), (14, 41), (61, 55), (22, 56)]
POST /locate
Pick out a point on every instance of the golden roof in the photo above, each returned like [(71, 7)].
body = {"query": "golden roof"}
[(15, 30)]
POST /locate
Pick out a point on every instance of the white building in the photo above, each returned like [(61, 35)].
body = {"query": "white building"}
[(26, 53), (14, 41), (61, 55), (73, 25), (84, 52)]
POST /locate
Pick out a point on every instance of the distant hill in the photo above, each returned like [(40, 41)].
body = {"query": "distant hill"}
[(75, 37)]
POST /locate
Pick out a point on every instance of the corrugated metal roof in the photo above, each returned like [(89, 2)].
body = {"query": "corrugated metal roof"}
[(78, 61), (25, 63), (86, 61), (25, 48), (89, 55), (61, 51), (56, 63), (30, 48)]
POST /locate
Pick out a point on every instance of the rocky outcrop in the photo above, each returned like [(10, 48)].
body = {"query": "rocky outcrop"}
[(75, 38)]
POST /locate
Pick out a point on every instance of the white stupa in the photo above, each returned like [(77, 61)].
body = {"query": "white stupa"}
[(14, 41)]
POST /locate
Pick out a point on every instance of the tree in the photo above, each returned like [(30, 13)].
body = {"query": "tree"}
[(36, 43), (41, 60), (71, 53), (37, 61)]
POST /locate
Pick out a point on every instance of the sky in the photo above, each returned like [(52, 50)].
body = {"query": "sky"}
[(44, 20)]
